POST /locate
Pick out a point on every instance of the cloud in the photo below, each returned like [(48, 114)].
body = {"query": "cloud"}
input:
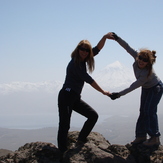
[(114, 75), (14, 87)]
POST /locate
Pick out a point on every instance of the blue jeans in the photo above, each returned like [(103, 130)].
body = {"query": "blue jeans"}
[(68, 101), (147, 122)]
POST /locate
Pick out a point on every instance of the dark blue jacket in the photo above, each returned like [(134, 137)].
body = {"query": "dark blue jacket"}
[(76, 75)]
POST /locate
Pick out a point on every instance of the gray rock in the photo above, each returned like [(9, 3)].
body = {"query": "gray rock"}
[(36, 152)]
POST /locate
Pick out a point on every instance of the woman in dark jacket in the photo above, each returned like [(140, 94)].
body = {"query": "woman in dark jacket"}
[(69, 98)]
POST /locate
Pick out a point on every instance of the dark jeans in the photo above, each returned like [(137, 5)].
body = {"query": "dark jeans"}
[(68, 101), (147, 122)]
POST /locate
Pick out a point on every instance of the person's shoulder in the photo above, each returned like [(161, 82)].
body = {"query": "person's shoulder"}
[(72, 61), (95, 50)]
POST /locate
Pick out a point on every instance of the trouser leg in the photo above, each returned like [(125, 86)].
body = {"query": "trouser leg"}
[(148, 120), (84, 109), (64, 119), (64, 125)]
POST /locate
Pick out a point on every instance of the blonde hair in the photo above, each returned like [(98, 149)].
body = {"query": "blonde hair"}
[(89, 59), (150, 55)]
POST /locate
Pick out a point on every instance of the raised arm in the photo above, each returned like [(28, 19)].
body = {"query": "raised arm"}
[(98, 88), (101, 43), (125, 45)]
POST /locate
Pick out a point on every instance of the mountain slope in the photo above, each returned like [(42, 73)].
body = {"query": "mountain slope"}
[(115, 75)]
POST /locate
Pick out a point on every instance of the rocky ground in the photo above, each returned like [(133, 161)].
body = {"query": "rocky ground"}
[(96, 150)]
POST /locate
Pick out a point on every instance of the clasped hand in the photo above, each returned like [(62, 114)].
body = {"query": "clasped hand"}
[(106, 93), (114, 95)]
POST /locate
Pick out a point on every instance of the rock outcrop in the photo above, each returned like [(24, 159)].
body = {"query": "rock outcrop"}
[(96, 150), (35, 152)]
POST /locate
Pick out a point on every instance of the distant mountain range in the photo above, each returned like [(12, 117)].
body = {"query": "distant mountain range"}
[(114, 75), (113, 129)]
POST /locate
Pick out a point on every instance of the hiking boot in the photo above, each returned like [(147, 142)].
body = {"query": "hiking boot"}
[(153, 141), (139, 140)]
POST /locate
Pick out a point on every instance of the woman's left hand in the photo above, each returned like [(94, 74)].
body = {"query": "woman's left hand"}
[(109, 36), (106, 93)]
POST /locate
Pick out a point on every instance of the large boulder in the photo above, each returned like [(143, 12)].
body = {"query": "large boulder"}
[(96, 150)]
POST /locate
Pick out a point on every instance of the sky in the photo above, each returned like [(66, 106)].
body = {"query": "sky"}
[(38, 36)]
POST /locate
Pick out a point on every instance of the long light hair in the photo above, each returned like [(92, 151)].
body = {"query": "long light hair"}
[(150, 55), (89, 59)]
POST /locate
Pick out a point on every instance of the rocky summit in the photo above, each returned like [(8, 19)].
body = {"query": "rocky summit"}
[(96, 150)]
